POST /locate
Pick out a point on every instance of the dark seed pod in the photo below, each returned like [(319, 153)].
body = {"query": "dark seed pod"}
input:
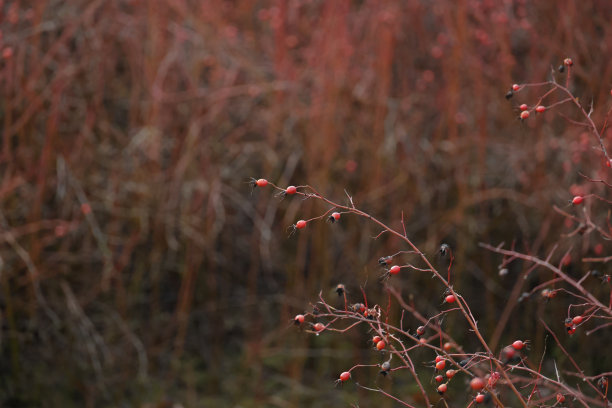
[(561, 68), (358, 308), (384, 368), (384, 261), (340, 289), (603, 384), (509, 94)]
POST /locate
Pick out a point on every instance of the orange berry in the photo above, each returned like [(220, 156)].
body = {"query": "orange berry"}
[(450, 373), (477, 384), (319, 327), (577, 200), (442, 388), (440, 365), (380, 345), (577, 320), (345, 376)]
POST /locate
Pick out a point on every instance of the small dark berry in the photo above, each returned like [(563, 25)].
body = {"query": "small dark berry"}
[(509, 94), (561, 68)]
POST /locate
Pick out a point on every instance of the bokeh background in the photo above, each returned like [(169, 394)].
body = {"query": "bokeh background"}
[(139, 268)]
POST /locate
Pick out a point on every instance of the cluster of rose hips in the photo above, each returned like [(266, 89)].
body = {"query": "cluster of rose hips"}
[(525, 110), (292, 190), (511, 354), (572, 323)]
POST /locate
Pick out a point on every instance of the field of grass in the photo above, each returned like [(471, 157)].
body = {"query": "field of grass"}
[(139, 267)]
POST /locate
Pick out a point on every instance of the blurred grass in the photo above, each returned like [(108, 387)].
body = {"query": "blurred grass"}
[(138, 269)]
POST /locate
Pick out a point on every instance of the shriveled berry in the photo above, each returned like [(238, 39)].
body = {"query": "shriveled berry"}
[(386, 366), (477, 384), (571, 330), (345, 376), (394, 270), (602, 383), (420, 330), (509, 94), (493, 378), (300, 224), (508, 353), (569, 322)]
